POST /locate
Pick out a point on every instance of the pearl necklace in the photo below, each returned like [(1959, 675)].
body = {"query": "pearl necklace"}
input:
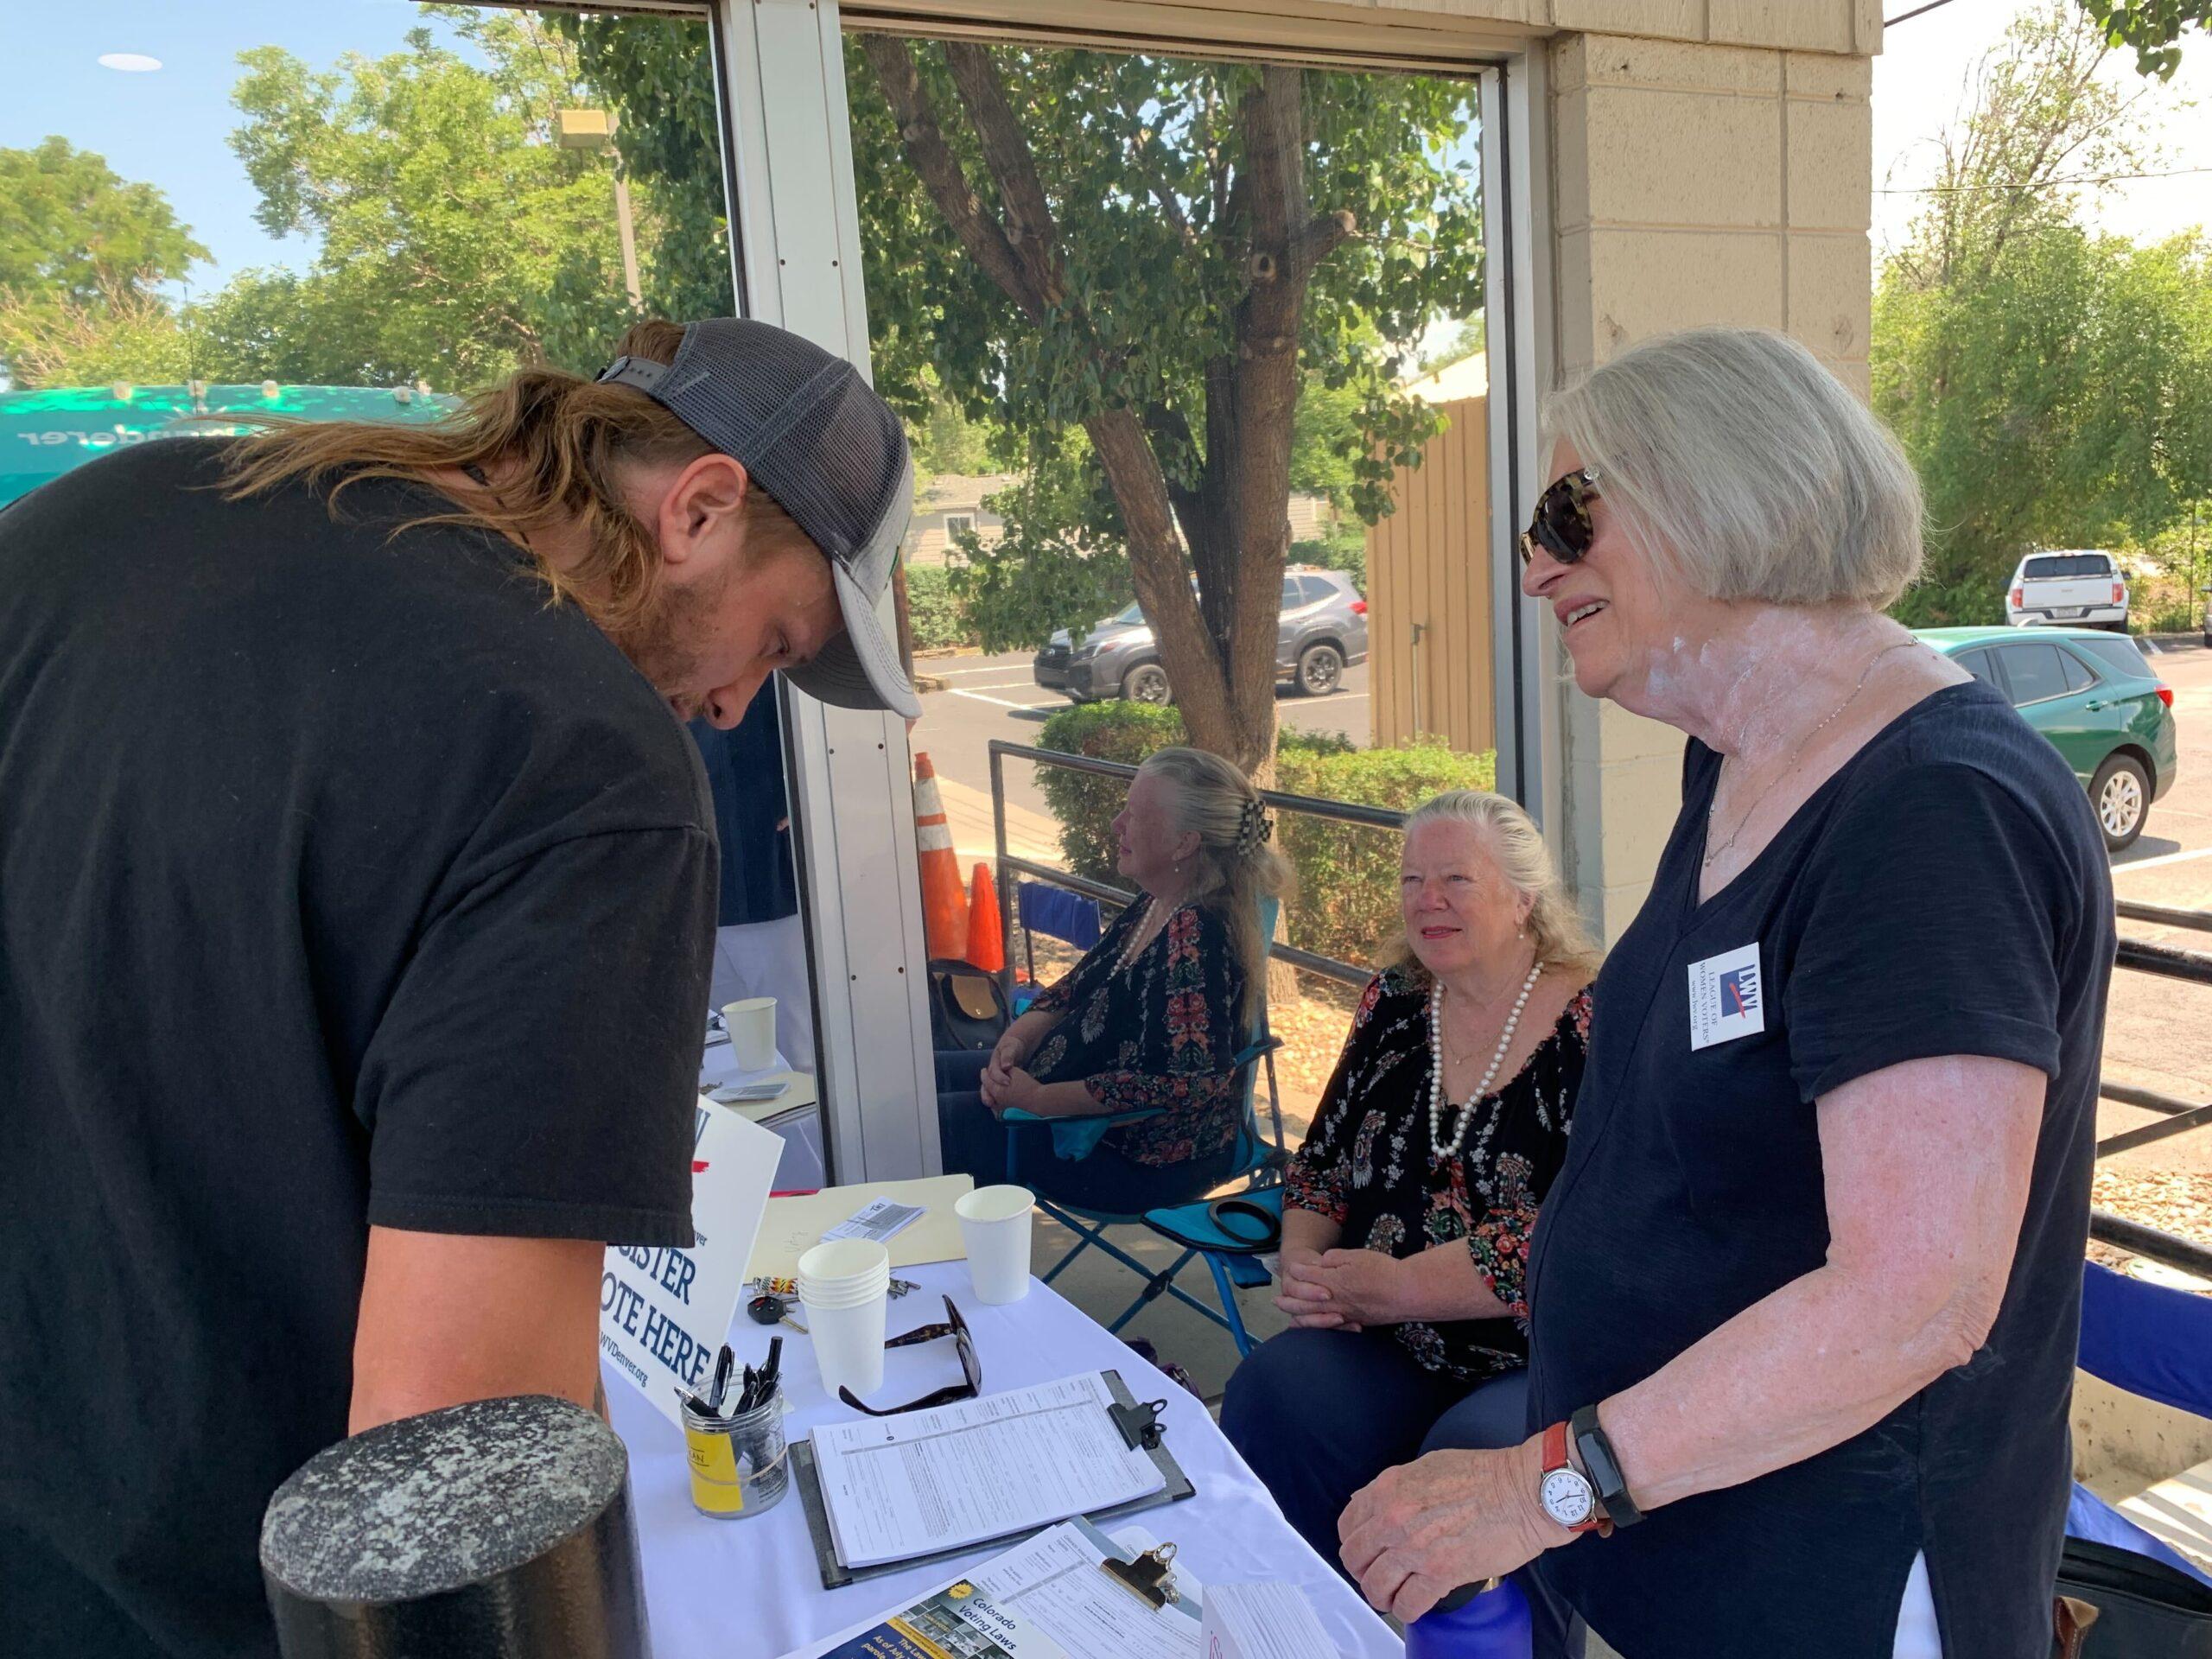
[(1436, 1101)]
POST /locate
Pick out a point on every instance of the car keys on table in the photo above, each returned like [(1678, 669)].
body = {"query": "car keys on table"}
[(768, 1308)]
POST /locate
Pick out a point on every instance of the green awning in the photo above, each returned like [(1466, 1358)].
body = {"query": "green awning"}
[(44, 434)]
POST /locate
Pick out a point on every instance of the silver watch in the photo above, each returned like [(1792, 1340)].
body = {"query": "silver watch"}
[(1567, 1496)]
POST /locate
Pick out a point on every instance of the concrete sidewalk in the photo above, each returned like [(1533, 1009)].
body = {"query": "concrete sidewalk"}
[(967, 812)]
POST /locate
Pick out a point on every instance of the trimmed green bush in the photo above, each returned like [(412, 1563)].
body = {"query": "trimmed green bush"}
[(1347, 904), (1347, 900), (1086, 806), (939, 618)]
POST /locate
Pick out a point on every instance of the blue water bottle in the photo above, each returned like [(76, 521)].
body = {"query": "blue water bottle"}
[(1493, 1624)]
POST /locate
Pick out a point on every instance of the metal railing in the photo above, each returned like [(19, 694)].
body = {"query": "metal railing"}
[(2182, 1116), (1375, 817), (2140, 956)]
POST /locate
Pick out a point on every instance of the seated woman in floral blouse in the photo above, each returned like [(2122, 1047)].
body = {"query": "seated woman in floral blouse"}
[(1150, 1020), (1407, 1211)]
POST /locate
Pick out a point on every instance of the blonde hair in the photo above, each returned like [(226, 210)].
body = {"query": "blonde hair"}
[(569, 441), (1236, 869), (1512, 839), (1735, 459)]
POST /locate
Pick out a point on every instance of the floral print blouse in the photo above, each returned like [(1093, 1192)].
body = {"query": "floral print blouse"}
[(1159, 1033), (1369, 1166)]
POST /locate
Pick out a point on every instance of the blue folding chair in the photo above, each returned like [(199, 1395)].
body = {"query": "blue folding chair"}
[(2151, 1341), (1057, 913), (1258, 1162)]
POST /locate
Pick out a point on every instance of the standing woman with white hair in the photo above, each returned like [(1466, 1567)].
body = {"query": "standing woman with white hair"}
[(1806, 1296)]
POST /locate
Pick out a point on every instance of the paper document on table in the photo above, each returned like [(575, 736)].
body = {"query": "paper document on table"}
[(1047, 1598), (795, 1223), (877, 1221), (900, 1487), (1263, 1621), (1055, 1581)]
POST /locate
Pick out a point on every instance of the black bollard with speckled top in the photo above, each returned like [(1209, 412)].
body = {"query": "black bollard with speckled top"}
[(499, 1530)]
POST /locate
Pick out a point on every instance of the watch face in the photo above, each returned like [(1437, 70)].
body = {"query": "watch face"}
[(1566, 1496)]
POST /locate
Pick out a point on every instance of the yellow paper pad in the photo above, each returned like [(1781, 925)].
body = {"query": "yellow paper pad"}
[(794, 1226)]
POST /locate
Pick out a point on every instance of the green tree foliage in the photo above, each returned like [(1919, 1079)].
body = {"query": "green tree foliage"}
[(2152, 28), (1163, 256), (2053, 386), (73, 229), (659, 74), (83, 253), (456, 239), (123, 335)]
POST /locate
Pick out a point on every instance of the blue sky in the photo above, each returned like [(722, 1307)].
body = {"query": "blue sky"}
[(170, 127)]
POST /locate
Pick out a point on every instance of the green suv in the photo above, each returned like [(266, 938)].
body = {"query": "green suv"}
[(2095, 697)]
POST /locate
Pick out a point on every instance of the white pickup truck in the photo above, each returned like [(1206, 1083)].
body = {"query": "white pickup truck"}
[(2079, 588)]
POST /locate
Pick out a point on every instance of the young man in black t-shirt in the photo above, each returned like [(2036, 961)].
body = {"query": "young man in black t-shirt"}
[(357, 889)]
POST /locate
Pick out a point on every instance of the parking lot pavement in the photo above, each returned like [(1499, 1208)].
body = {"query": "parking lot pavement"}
[(2159, 1030), (996, 696)]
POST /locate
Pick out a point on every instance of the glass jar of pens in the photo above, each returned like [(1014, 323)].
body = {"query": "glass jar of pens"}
[(738, 1454)]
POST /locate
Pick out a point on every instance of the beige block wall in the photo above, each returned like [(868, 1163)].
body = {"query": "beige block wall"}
[(1723, 176)]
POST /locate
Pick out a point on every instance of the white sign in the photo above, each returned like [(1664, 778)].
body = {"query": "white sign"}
[(1728, 997), (663, 1312)]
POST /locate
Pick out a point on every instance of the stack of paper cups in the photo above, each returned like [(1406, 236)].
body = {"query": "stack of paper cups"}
[(845, 1286), (995, 1226)]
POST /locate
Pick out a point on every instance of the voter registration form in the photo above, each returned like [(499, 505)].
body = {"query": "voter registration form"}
[(929, 1481)]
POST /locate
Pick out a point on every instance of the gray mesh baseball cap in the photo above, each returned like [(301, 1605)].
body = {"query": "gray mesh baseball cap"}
[(830, 452)]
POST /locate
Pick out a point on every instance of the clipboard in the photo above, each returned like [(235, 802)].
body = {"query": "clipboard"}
[(836, 1574)]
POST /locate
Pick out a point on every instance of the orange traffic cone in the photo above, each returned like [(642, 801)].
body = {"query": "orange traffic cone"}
[(986, 939), (944, 910)]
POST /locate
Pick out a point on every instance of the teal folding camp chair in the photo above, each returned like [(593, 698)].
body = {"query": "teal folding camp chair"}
[(1258, 1162)]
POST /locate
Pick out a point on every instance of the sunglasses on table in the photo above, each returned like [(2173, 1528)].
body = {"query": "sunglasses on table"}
[(953, 1327), (1561, 525)]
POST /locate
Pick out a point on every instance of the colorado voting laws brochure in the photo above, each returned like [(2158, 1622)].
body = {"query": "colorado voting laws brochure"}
[(1048, 1598)]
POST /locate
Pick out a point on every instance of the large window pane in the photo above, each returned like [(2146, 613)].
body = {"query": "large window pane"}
[(1203, 325)]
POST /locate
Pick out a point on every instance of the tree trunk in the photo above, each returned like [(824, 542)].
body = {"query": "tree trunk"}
[(1220, 647)]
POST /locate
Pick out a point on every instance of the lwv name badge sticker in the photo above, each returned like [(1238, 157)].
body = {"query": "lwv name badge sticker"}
[(1728, 997)]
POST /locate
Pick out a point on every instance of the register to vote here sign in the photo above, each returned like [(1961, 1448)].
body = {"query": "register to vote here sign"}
[(663, 1312)]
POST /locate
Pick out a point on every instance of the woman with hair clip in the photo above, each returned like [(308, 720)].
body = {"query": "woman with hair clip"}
[(1407, 1211), (1151, 1017)]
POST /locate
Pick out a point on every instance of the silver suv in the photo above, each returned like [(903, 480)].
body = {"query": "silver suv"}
[(1323, 632)]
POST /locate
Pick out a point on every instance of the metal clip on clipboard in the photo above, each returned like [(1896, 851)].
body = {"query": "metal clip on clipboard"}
[(1140, 1423), (1150, 1577)]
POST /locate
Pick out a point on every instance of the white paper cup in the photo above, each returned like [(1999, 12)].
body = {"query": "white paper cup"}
[(994, 1224), (752, 1027), (844, 1286)]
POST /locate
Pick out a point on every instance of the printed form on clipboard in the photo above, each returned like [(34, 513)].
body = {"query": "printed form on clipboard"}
[(896, 1488), (1047, 1598)]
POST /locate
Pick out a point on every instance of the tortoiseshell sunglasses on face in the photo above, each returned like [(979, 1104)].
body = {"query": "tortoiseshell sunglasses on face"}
[(1561, 525)]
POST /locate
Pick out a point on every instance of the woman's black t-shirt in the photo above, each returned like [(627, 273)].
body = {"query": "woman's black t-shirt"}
[(1945, 893)]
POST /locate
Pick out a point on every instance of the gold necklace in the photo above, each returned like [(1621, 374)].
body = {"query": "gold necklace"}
[(1790, 771)]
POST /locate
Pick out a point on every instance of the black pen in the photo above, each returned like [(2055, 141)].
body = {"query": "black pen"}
[(721, 1378), (773, 1368)]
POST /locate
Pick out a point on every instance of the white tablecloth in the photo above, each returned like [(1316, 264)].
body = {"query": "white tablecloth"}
[(749, 1589)]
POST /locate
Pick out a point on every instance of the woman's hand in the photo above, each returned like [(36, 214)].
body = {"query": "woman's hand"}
[(1420, 1531), (1020, 1090), (1010, 1050), (1342, 1289)]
